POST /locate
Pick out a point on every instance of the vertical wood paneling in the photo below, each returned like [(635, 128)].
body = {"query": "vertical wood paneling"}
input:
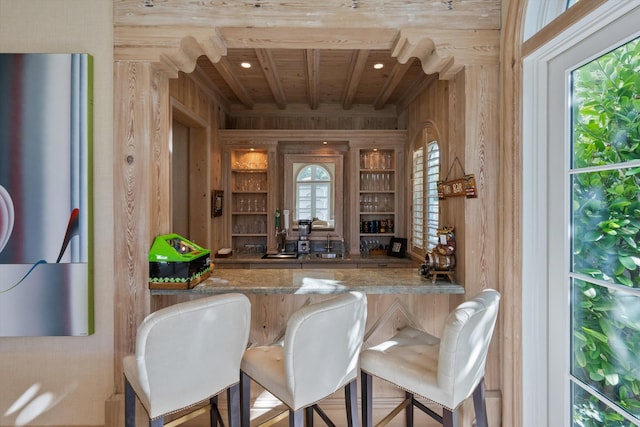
[(481, 214), (201, 112), (511, 212), (160, 132), (469, 131), (132, 140), (199, 189)]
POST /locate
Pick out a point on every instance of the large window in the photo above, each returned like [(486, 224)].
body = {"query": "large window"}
[(424, 189), (605, 226), (581, 224)]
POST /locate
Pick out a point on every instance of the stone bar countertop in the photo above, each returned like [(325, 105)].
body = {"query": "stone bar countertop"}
[(318, 281)]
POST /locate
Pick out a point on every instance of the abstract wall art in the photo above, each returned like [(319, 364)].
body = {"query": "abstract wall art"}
[(46, 280)]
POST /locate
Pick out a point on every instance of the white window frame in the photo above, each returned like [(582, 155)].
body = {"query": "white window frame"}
[(429, 235), (545, 222)]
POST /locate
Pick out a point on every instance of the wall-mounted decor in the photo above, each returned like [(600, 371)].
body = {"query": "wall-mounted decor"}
[(465, 186), (216, 202), (46, 281)]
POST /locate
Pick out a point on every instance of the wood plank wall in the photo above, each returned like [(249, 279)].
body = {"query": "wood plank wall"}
[(468, 129)]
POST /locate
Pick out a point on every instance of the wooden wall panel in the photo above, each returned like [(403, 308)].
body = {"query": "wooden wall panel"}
[(196, 107), (469, 131), (138, 126)]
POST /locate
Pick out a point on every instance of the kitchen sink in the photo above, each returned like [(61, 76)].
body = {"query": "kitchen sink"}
[(327, 255), (281, 255)]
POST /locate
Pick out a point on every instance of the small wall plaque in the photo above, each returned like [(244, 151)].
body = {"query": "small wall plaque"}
[(216, 203), (465, 186)]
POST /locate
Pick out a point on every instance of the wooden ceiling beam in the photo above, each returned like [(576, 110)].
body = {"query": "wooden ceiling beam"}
[(274, 81), (356, 69), (312, 66), (224, 68), (395, 77)]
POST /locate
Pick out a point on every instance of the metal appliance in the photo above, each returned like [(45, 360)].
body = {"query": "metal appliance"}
[(304, 229)]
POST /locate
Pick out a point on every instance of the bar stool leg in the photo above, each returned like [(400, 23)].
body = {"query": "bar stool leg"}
[(129, 405), (296, 418), (308, 416), (449, 418), (480, 406), (233, 405), (245, 403), (351, 403), (213, 412), (409, 409), (367, 408)]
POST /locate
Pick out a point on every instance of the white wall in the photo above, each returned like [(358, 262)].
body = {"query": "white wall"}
[(66, 380)]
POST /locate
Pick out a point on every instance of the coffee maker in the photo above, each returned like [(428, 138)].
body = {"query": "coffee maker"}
[(304, 229)]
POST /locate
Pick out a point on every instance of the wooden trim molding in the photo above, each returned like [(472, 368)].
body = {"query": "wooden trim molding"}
[(510, 200)]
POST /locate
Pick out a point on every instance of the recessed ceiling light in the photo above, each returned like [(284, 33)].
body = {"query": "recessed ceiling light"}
[(378, 66), (325, 142), (245, 64)]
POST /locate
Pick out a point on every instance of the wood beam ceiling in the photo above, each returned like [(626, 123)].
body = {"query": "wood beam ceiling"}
[(312, 64)]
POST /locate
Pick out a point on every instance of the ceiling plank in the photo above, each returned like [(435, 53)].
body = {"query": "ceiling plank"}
[(395, 77), (270, 71), (356, 69), (204, 83), (416, 89), (312, 64), (224, 68)]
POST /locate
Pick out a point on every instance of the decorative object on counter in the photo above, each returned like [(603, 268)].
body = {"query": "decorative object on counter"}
[(177, 263), (216, 203), (224, 253), (397, 247), (304, 229), (441, 260), (281, 233), (465, 186)]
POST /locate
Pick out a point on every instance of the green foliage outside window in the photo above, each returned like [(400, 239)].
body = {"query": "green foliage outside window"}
[(606, 236)]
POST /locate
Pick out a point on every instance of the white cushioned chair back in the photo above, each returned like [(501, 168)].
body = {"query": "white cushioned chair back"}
[(464, 345), (322, 346), (190, 351)]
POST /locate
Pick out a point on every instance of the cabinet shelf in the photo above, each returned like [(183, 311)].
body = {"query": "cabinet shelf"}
[(248, 213), (249, 170), (250, 192), (388, 213)]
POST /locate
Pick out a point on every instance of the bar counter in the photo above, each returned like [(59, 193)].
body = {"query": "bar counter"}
[(271, 281)]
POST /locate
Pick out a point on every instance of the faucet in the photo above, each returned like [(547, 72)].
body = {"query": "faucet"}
[(328, 247), (281, 237)]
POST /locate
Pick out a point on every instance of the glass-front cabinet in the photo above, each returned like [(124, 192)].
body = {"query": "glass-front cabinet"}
[(378, 183), (250, 203)]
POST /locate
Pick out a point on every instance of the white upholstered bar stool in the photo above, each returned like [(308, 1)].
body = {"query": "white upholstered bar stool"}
[(445, 371), (188, 353), (319, 356)]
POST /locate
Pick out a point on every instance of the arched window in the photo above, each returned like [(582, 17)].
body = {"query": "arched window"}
[(313, 192), (424, 188)]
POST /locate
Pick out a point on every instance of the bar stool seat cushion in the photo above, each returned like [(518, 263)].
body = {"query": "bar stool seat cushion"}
[(409, 358), (446, 370), (319, 354)]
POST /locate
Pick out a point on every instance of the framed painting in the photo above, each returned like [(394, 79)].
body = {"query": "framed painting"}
[(397, 247), (46, 283)]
